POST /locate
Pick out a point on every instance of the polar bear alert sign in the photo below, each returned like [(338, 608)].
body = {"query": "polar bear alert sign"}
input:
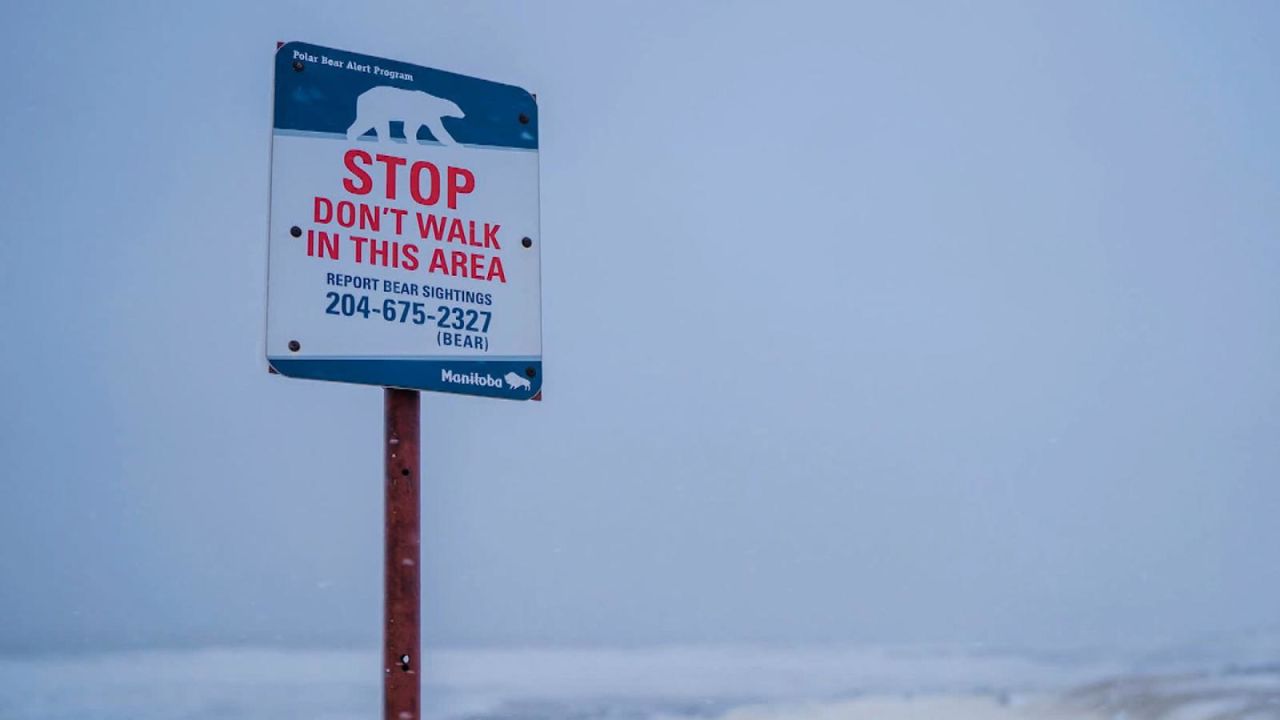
[(404, 244)]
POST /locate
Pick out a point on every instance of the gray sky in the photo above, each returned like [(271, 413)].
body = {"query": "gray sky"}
[(862, 322)]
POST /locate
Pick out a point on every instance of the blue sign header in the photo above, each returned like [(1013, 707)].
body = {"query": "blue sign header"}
[(317, 90)]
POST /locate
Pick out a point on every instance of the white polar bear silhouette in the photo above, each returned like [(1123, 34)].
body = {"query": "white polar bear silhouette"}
[(378, 106), (515, 381)]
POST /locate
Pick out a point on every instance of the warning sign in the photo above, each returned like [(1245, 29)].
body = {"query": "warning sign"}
[(404, 243)]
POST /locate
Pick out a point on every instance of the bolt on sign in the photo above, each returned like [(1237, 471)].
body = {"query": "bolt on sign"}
[(403, 247)]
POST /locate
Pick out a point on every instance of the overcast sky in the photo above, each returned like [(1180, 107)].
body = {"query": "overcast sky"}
[(863, 322)]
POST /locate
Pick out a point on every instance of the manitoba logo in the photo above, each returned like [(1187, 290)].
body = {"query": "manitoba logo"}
[(515, 381), (472, 378)]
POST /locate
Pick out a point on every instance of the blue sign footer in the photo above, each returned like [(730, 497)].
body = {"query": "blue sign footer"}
[(509, 379)]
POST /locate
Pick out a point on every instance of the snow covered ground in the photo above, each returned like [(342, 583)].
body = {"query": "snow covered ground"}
[(734, 683)]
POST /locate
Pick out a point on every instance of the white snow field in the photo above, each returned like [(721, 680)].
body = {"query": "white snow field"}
[(726, 683)]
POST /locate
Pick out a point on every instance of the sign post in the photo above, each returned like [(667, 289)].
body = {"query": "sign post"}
[(401, 634), (403, 251)]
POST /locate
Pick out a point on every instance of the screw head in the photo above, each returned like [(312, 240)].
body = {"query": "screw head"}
[(297, 66), (295, 231), (530, 372), (524, 119), (527, 242), (295, 346)]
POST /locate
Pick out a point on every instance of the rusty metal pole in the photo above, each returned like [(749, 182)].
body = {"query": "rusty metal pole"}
[(401, 638)]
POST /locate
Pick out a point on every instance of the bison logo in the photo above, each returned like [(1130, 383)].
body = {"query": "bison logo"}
[(377, 107), (515, 381)]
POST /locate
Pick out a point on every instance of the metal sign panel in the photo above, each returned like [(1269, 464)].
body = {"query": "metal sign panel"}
[(404, 244)]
